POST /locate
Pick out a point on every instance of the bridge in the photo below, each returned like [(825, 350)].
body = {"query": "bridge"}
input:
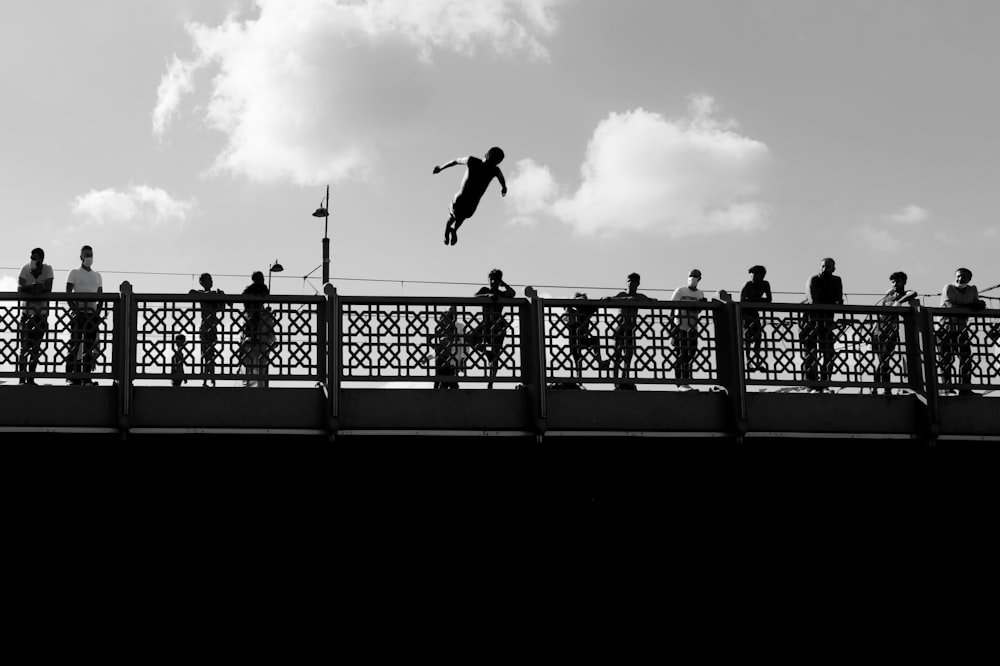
[(352, 367)]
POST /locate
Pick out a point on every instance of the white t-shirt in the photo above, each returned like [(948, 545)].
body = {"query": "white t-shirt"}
[(88, 282), (687, 319)]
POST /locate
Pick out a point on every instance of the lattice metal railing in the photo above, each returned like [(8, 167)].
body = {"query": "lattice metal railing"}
[(446, 341), (58, 338), (204, 339), (472, 341), (815, 346), (644, 342), (966, 349)]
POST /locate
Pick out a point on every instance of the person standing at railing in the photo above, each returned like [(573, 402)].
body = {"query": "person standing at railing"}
[(581, 337), (886, 335), (209, 330), (258, 333), (36, 278), (819, 328), (488, 336), (447, 348), (624, 331), (955, 337), (756, 290), (686, 328), (177, 360), (85, 322)]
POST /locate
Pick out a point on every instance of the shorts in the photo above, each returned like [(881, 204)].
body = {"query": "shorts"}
[(462, 208)]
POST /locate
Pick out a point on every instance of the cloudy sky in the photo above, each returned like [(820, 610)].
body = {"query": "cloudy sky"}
[(181, 136)]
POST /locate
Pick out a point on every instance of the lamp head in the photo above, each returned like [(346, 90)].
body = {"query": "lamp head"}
[(276, 268), (321, 212)]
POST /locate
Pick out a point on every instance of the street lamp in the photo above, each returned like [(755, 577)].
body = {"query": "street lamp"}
[(275, 268), (324, 212)]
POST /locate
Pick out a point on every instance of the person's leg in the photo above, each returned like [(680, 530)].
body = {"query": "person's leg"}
[(90, 333), (454, 229), (965, 357), (448, 228), (75, 350)]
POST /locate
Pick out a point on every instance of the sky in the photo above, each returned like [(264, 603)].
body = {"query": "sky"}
[(184, 136)]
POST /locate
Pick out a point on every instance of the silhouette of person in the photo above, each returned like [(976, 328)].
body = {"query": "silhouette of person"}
[(488, 336), (956, 339), (177, 360), (623, 331), (756, 290), (478, 175), (448, 348), (886, 334), (85, 318), (819, 328), (35, 279), (257, 339), (581, 334), (686, 331), (209, 329)]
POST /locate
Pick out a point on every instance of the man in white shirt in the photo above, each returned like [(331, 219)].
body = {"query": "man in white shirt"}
[(686, 333), (85, 318), (35, 279)]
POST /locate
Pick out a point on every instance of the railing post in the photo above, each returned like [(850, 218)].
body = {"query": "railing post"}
[(126, 319), (914, 364), (729, 351), (925, 321), (533, 359), (331, 352)]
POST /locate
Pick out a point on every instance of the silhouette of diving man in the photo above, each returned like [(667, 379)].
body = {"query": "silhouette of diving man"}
[(478, 175)]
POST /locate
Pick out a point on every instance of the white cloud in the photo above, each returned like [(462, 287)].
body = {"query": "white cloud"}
[(907, 215), (877, 240), (138, 205), (175, 84), (644, 172), (531, 190), (8, 283), (309, 92)]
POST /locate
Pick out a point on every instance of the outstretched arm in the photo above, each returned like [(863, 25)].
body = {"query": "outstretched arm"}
[(503, 183), (442, 167)]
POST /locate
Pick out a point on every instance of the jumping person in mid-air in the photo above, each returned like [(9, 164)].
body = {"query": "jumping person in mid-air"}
[(478, 175)]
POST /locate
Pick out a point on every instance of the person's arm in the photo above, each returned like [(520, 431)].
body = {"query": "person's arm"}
[(454, 162), (909, 297), (840, 292), (503, 183), (69, 290), (99, 304), (811, 290), (508, 291), (765, 296), (946, 301)]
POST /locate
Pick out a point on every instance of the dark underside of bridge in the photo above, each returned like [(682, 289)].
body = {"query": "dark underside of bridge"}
[(667, 422), (405, 465)]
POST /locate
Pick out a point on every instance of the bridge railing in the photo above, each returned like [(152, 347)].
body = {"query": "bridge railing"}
[(242, 338), (626, 343), (50, 336), (963, 349), (476, 342), (445, 341)]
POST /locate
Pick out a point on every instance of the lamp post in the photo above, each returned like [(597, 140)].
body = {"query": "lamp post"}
[(275, 268), (324, 212)]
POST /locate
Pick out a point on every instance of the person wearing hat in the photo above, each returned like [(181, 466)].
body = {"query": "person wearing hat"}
[(686, 331)]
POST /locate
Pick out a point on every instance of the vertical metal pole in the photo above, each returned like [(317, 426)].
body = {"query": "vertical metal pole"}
[(326, 239)]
